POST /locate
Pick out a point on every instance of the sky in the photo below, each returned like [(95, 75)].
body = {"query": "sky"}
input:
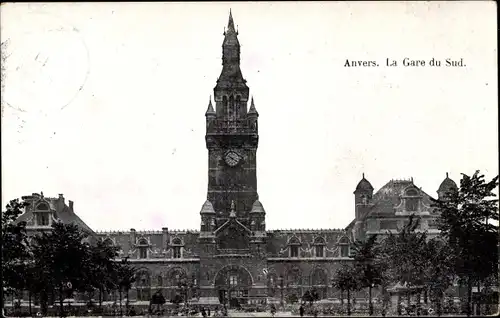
[(105, 103)]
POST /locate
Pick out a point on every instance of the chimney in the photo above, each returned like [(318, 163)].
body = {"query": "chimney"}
[(70, 205), (132, 238), (61, 197), (165, 237)]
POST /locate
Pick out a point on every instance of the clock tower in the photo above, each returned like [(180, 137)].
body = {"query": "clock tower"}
[(231, 140)]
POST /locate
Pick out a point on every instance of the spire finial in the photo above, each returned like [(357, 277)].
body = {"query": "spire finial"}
[(252, 109), (232, 214), (447, 175), (363, 175), (230, 23)]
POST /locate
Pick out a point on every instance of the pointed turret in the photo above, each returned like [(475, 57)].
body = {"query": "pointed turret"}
[(210, 110), (231, 59), (252, 111), (207, 208)]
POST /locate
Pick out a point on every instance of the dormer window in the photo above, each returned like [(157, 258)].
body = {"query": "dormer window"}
[(344, 247), (319, 247), (143, 248), (294, 245), (411, 200), (42, 219), (177, 248)]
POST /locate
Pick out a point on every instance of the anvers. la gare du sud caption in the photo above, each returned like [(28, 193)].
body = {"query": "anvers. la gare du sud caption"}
[(407, 62)]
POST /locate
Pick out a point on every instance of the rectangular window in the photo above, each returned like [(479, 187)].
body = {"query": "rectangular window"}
[(388, 225), (294, 251), (177, 252), (143, 252), (319, 251), (344, 251), (42, 219), (411, 204)]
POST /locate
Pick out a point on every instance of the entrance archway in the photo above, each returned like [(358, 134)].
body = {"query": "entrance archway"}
[(233, 283)]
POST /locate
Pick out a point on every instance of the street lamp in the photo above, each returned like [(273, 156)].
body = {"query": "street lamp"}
[(280, 279)]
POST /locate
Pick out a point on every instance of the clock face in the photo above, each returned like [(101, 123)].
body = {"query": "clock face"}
[(232, 158)]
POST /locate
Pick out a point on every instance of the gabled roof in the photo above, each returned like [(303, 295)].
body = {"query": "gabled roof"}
[(232, 221), (61, 211)]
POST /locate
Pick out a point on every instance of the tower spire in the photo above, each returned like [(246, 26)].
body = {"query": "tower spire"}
[(230, 23)]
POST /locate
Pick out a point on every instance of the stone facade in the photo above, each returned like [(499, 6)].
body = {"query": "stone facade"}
[(232, 255)]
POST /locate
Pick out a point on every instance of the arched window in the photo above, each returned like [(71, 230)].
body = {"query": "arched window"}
[(224, 101), (344, 247), (143, 285), (411, 192), (159, 280), (319, 281), (319, 247), (107, 241), (294, 245), (237, 104), (42, 206), (294, 276), (230, 107), (143, 248)]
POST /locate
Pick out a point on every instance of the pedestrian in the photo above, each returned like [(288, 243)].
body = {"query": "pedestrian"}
[(273, 310), (301, 311), (203, 312), (208, 312)]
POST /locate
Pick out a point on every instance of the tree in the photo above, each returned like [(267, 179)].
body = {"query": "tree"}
[(15, 251), (310, 296), (125, 277), (101, 267), (368, 266), (347, 279), (61, 258), (439, 275), (467, 222), (403, 253)]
